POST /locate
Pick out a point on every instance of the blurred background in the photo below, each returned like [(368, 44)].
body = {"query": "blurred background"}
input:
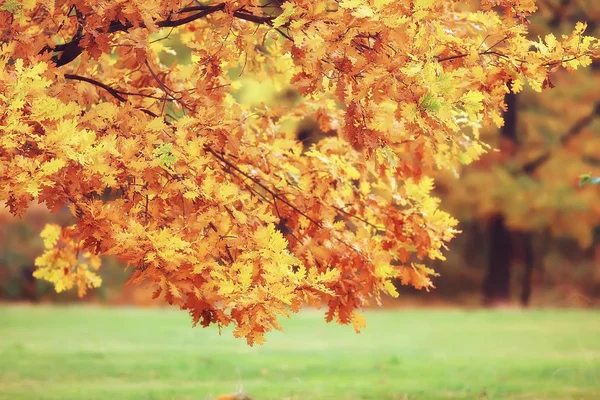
[(531, 235)]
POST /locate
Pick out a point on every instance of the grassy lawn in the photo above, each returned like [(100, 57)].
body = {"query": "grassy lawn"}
[(94, 353)]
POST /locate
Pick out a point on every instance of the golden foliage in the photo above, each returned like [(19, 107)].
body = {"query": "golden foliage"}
[(209, 197)]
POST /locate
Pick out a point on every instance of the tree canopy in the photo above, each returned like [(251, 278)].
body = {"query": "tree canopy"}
[(128, 113)]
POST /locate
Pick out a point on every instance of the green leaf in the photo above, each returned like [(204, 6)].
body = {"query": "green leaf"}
[(12, 6), (430, 102), (588, 179), (472, 101), (288, 10), (164, 154), (389, 155)]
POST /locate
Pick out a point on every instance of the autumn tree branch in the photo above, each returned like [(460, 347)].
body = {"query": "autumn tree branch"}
[(116, 93), (276, 196), (112, 91), (71, 50), (575, 130), (221, 157)]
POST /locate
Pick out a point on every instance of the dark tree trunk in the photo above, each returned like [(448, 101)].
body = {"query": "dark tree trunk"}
[(496, 289), (528, 260), (509, 129), (28, 284)]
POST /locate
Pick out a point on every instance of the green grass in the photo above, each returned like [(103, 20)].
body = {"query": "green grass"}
[(94, 353)]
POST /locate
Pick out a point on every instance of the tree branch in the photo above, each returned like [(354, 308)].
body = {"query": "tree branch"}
[(208, 10), (276, 195), (575, 130), (113, 92), (71, 50)]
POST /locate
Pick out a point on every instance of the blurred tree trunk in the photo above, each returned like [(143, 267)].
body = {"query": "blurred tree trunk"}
[(528, 262), (496, 288), (29, 284)]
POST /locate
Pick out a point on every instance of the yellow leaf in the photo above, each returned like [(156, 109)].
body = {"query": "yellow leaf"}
[(50, 234), (551, 41), (423, 4), (191, 195), (391, 289), (288, 10), (174, 290), (156, 125), (358, 321), (472, 101), (517, 84), (53, 166), (33, 188), (351, 4)]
